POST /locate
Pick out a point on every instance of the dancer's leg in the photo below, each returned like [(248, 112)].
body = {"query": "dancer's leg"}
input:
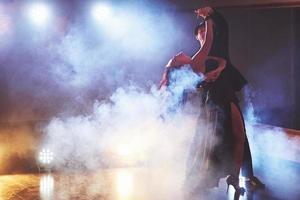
[(247, 167), (239, 138)]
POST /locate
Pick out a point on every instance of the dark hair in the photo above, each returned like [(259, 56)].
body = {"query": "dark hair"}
[(201, 25)]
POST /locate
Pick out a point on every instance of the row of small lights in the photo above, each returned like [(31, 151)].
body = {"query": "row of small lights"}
[(40, 14), (46, 157)]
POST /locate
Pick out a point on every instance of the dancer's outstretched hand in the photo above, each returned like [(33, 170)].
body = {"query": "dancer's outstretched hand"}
[(212, 76)]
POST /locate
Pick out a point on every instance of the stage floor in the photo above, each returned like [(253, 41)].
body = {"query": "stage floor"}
[(141, 183)]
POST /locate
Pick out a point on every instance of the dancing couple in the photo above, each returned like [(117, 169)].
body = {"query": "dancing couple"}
[(220, 147)]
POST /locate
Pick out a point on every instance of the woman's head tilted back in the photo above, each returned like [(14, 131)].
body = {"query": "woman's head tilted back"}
[(199, 32), (220, 46)]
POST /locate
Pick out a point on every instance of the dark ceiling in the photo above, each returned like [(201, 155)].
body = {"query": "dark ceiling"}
[(192, 4)]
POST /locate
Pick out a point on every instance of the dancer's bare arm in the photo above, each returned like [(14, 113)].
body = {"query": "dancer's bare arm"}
[(164, 81), (198, 60)]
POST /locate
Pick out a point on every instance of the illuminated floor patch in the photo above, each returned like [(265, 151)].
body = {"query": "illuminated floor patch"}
[(135, 184)]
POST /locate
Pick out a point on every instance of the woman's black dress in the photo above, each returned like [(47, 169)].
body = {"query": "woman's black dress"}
[(211, 154)]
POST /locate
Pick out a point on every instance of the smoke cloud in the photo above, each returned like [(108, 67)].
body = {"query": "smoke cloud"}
[(131, 121), (57, 70), (134, 127)]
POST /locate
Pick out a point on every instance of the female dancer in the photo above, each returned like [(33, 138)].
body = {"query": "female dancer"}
[(220, 48), (218, 145), (219, 149), (210, 161)]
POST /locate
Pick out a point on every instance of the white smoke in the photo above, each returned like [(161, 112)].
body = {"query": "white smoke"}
[(65, 70), (132, 121), (133, 127), (274, 150)]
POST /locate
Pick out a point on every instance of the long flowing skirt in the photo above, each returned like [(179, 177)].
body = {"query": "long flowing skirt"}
[(211, 151)]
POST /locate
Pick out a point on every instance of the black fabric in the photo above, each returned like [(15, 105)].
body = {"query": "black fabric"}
[(215, 161), (233, 77), (210, 65), (220, 48)]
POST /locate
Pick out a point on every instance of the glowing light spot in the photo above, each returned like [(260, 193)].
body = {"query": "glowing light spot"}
[(46, 156), (124, 184), (124, 150), (101, 12), (39, 14)]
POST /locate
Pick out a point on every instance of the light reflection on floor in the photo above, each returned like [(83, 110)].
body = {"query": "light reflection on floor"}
[(108, 184), (118, 184), (124, 184), (46, 186)]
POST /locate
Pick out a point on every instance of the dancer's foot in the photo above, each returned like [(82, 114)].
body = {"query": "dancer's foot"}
[(254, 183), (234, 181)]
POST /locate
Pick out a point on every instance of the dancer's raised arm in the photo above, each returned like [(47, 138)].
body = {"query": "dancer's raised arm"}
[(204, 34)]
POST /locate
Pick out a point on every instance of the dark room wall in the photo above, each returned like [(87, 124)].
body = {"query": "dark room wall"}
[(296, 72), (261, 45)]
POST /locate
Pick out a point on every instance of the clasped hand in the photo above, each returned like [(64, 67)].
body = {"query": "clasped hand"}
[(204, 12), (212, 76)]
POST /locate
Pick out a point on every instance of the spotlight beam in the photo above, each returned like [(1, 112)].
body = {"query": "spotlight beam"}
[(101, 11), (39, 13)]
